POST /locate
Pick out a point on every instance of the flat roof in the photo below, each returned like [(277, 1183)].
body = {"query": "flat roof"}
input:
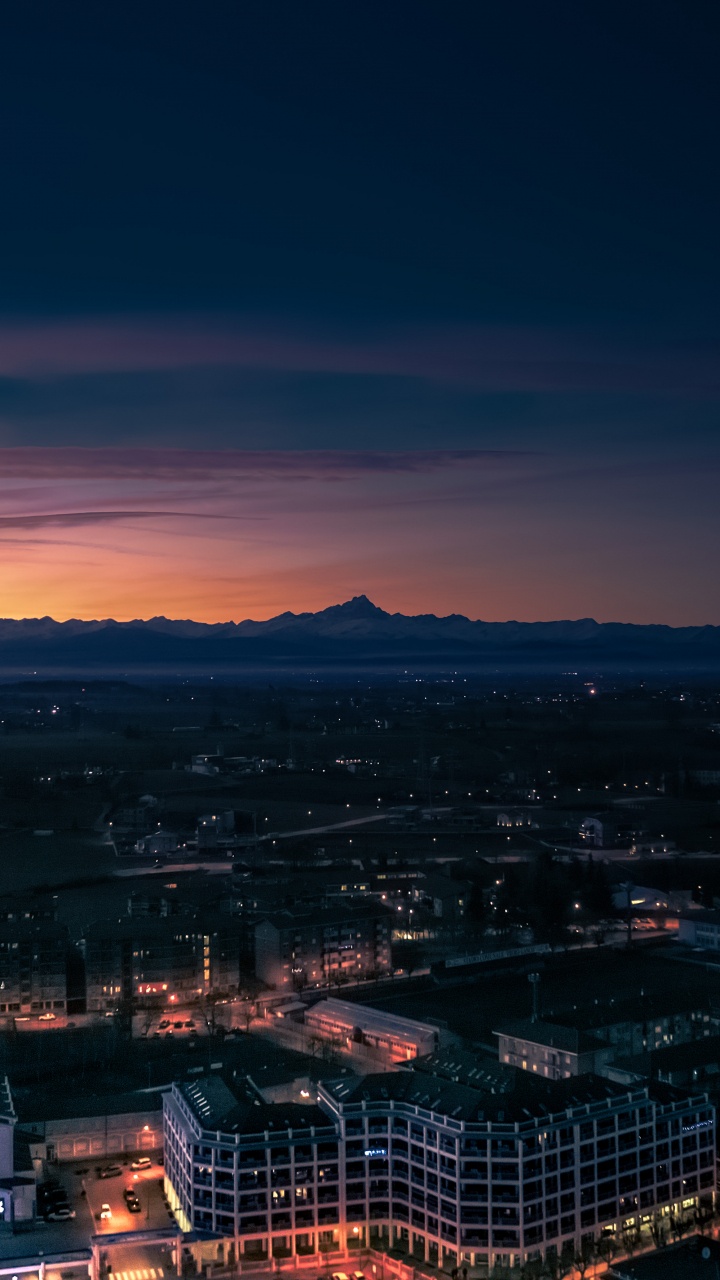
[(550, 1035), (241, 1110), (684, 1261), (367, 1018), (529, 1098), (313, 916), (57, 1107)]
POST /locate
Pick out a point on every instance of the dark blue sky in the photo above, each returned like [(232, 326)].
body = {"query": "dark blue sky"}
[(405, 226)]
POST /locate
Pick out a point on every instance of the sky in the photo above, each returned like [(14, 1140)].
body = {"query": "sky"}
[(417, 300)]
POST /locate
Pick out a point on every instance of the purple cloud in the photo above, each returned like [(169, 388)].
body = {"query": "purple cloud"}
[(490, 358), (74, 519), (183, 464)]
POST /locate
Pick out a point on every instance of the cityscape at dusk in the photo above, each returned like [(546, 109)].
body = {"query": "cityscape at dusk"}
[(359, 640)]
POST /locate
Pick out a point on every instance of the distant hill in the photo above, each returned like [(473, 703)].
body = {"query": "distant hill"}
[(356, 632)]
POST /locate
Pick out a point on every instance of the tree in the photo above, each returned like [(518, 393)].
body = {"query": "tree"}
[(584, 1256), (630, 1239), (606, 1248), (557, 1266), (657, 1231), (532, 1270), (679, 1225), (703, 1217)]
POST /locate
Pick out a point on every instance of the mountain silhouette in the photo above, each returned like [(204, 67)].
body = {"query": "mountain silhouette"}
[(356, 631)]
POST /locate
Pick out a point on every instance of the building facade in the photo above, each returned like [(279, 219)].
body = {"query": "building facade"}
[(266, 1177), (302, 947), (33, 969), (700, 929), (160, 962), (444, 1173), (554, 1052), (356, 1027)]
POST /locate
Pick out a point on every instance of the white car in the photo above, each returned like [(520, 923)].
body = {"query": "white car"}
[(60, 1215), (105, 1211), (144, 1162)]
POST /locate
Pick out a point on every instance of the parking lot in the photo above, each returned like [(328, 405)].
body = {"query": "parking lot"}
[(107, 1203), (169, 1024)]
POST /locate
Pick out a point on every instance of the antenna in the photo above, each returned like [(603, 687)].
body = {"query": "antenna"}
[(534, 980)]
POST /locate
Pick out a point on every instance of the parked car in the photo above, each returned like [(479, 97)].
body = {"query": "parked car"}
[(61, 1214), (142, 1162), (57, 1206), (105, 1211)]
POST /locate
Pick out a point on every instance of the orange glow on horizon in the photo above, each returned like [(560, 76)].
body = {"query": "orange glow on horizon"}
[(215, 539)]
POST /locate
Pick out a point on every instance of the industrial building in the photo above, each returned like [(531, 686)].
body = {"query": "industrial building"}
[(370, 1032)]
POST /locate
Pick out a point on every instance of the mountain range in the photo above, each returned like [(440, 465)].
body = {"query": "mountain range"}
[(354, 633)]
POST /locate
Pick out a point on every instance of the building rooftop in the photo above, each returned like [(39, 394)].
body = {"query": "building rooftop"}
[(314, 916), (641, 1008), (675, 1057), (477, 1070), (53, 1105), (527, 1098), (366, 1018), (160, 928), (690, 1260), (702, 915), (241, 1110), (550, 1034)]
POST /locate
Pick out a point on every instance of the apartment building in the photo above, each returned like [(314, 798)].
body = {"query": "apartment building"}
[(33, 969), (305, 946), (700, 928), (167, 961), (443, 1172), (590, 1041), (554, 1052)]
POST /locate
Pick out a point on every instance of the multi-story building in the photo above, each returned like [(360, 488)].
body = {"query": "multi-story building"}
[(552, 1051), (301, 947), (700, 928), (265, 1176), (17, 1176), (445, 1173), (33, 969), (588, 1041), (165, 961)]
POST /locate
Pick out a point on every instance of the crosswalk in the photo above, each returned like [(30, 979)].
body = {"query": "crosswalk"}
[(144, 1273)]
